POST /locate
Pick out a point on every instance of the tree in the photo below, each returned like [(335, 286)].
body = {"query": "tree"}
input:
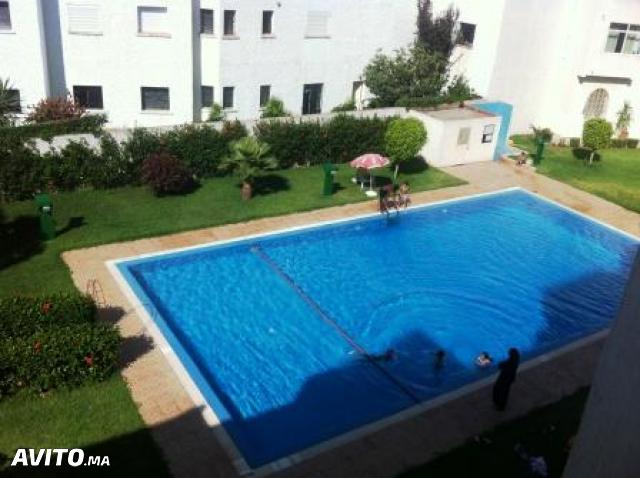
[(249, 157), (404, 140), (274, 108), (56, 109), (9, 103), (216, 113), (623, 120), (437, 35), (596, 135), (409, 73), (459, 89)]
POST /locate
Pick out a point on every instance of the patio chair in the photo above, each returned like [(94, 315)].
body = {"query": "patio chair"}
[(362, 177)]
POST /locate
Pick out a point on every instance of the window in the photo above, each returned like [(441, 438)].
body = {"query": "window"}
[(312, 99), (89, 96), (84, 18), (206, 21), (317, 24), (13, 101), (5, 16), (229, 22), (153, 21), (155, 98), (596, 105), (227, 97), (466, 34), (265, 94), (487, 133), (623, 38), (267, 22), (206, 93), (463, 136)]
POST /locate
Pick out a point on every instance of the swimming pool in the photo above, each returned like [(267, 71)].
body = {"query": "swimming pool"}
[(274, 330)]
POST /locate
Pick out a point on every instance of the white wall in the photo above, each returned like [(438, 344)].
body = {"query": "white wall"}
[(357, 29), (22, 54), (122, 61)]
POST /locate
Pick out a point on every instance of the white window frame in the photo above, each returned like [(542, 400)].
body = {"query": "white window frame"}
[(487, 133), (213, 22), (464, 134), (234, 24), (233, 98), (630, 30), (314, 16), (155, 110)]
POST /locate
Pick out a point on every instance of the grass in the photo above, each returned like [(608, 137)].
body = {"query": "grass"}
[(616, 177), (100, 418), (99, 217), (544, 432), (103, 417)]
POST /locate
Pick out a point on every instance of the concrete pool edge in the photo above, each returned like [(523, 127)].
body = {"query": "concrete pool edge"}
[(210, 416)]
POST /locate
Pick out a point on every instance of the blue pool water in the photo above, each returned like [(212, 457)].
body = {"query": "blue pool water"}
[(272, 329)]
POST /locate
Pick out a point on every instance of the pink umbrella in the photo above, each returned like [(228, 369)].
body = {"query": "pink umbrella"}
[(370, 161)]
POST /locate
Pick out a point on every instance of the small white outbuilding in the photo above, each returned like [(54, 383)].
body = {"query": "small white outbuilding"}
[(459, 135)]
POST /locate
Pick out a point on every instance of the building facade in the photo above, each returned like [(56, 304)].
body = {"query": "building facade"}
[(162, 62)]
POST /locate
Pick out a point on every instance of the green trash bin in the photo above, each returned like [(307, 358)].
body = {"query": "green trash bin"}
[(329, 172), (45, 210), (539, 151)]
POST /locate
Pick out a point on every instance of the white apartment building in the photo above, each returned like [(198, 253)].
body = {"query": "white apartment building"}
[(161, 62)]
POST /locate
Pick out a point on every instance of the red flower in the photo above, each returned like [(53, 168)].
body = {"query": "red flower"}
[(37, 346), (46, 308), (89, 360)]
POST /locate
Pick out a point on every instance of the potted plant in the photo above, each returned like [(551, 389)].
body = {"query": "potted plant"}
[(248, 158)]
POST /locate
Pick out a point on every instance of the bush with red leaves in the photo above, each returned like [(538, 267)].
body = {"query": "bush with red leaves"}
[(166, 174), (56, 109)]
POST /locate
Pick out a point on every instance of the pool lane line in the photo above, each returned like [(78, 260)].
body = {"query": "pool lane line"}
[(261, 254)]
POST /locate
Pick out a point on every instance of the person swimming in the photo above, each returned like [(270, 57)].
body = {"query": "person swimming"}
[(388, 356), (438, 362), (483, 360)]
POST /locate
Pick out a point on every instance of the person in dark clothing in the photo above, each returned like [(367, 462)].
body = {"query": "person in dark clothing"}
[(508, 369)]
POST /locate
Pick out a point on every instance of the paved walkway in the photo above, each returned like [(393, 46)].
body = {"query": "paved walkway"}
[(191, 448)]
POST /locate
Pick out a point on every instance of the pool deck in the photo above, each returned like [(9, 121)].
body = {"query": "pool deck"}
[(191, 447)]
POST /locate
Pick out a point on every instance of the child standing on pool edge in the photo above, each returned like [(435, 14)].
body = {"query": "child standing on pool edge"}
[(508, 369)]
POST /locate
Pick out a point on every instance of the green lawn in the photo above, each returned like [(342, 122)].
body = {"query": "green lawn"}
[(103, 417), (616, 177), (544, 432)]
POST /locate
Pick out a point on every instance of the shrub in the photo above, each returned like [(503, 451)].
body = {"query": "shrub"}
[(216, 113), (596, 135), (544, 135), (349, 137), (574, 142), (56, 109), (166, 174), (137, 148), (111, 169), (24, 316), (632, 143), (403, 140), (61, 356), (233, 131), (87, 124), (9, 103), (68, 166), (618, 143), (294, 142), (201, 148), (348, 105), (274, 108), (22, 169)]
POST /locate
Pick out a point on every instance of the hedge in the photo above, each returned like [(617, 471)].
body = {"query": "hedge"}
[(53, 341), (339, 140), (87, 124), (23, 316), (60, 356), (631, 143)]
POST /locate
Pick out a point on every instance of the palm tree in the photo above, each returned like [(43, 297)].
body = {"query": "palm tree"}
[(249, 157), (624, 117), (9, 103)]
